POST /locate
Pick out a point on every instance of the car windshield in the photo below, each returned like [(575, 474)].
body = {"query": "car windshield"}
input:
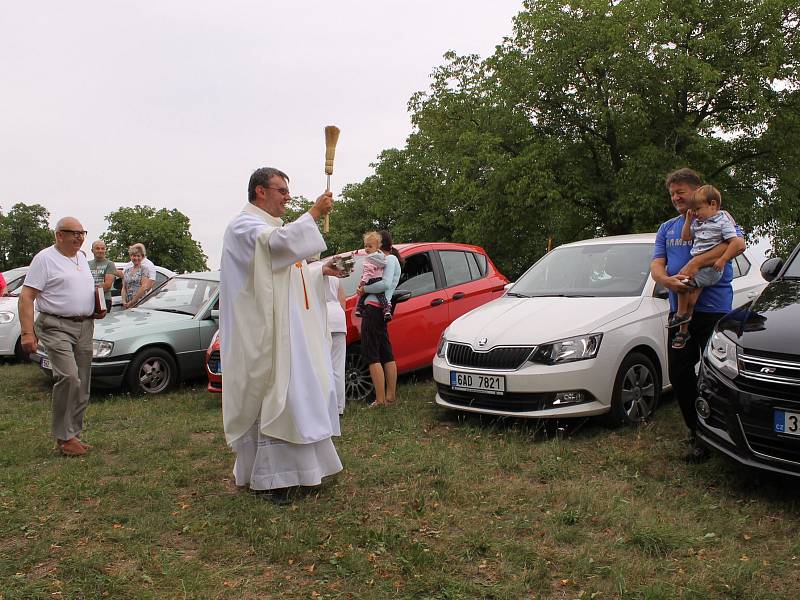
[(181, 295), (14, 279), (793, 268), (591, 270)]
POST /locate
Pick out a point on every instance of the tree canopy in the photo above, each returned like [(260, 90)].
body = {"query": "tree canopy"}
[(164, 233), (24, 231), (569, 128)]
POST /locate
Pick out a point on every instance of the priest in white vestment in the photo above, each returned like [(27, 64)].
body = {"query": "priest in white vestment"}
[(278, 396)]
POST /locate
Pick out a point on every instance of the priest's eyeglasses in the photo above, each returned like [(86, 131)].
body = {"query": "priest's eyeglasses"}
[(283, 191)]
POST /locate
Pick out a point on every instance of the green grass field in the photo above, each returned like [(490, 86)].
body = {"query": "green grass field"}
[(430, 504)]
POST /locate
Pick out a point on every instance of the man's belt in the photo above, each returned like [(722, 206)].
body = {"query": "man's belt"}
[(76, 318)]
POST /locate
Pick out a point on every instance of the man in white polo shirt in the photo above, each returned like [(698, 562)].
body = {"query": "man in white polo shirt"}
[(60, 281)]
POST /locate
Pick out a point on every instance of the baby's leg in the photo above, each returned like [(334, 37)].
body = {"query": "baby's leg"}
[(691, 300), (683, 303)]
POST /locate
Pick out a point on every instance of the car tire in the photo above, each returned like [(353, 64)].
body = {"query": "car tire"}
[(357, 380), (637, 389), (152, 371)]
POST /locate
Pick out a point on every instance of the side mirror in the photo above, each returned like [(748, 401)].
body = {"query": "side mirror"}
[(661, 292), (508, 286), (771, 267), (215, 314), (400, 296)]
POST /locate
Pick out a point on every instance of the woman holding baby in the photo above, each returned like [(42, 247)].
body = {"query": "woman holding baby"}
[(375, 345)]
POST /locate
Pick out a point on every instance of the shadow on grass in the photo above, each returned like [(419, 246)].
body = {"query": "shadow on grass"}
[(192, 386), (584, 428), (726, 476)]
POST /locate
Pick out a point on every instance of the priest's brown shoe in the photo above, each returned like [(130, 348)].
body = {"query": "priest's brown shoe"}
[(71, 447)]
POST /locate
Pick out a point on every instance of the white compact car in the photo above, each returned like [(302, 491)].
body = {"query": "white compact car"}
[(581, 333), (10, 344)]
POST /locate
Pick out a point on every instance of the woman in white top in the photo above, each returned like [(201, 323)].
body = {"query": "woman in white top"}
[(334, 294)]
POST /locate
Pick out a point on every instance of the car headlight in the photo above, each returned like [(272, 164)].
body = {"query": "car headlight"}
[(568, 350), (441, 349), (101, 348), (721, 353), (6, 317)]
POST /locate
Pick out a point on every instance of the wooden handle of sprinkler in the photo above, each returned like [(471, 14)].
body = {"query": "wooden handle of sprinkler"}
[(331, 137), (326, 224)]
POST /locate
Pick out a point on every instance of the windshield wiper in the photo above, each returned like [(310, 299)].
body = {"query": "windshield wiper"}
[(174, 310), (562, 296), (516, 295)]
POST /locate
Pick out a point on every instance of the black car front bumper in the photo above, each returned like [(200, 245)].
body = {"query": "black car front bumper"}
[(740, 424)]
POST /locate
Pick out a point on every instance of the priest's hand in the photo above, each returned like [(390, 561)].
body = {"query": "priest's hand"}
[(322, 206), (332, 271)]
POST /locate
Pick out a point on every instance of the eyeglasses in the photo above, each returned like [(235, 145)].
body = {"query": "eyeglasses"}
[(283, 191), (75, 232)]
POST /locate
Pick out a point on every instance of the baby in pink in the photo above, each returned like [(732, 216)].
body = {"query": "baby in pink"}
[(374, 264)]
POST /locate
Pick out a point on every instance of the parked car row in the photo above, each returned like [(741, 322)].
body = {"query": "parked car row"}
[(581, 333)]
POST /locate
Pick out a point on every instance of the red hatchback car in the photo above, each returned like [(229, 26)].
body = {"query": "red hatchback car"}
[(439, 282)]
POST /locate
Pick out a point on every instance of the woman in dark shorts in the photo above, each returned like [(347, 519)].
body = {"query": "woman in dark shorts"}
[(375, 345)]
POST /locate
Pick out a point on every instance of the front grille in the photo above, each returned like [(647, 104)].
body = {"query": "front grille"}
[(770, 374), (508, 358), (214, 363), (757, 430), (508, 402)]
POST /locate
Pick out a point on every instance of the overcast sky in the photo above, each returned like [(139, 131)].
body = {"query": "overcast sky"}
[(174, 103)]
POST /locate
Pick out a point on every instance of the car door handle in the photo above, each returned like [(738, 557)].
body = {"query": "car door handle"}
[(458, 295), (437, 301)]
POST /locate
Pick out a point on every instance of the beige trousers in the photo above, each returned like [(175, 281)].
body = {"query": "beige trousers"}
[(69, 348)]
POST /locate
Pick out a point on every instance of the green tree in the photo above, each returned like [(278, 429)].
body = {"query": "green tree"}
[(164, 233), (24, 231), (568, 129)]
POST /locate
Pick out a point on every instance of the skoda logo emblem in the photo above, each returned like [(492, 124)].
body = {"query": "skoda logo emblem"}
[(483, 341)]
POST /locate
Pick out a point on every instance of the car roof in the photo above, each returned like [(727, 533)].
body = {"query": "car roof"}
[(160, 269), (206, 275), (411, 246), (633, 238)]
